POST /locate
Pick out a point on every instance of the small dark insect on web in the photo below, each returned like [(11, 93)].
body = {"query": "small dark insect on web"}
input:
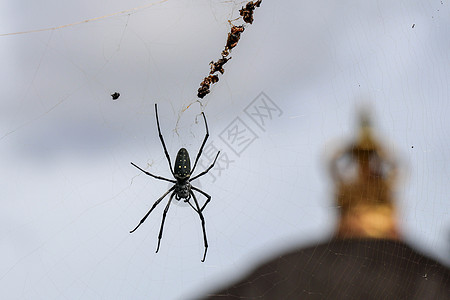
[(115, 95)]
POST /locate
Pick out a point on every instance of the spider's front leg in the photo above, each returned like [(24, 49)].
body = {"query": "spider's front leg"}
[(188, 202), (163, 220), (153, 207), (208, 197), (202, 219)]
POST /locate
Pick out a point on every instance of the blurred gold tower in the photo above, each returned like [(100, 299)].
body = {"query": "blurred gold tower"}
[(364, 177)]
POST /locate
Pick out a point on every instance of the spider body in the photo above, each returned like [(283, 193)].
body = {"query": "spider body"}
[(182, 165), (182, 188)]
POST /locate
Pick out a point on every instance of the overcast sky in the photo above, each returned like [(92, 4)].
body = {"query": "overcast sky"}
[(70, 195)]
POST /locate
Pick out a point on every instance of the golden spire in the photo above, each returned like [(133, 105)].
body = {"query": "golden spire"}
[(364, 176)]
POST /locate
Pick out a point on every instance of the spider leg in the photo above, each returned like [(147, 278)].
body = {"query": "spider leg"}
[(207, 170), (204, 194), (163, 220), (198, 210), (162, 139), (154, 176), (203, 144), (153, 207), (187, 201)]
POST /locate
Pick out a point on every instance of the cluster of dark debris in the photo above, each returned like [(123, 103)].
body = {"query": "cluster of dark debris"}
[(247, 12), (233, 38)]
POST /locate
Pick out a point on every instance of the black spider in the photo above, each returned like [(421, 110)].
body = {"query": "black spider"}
[(182, 188)]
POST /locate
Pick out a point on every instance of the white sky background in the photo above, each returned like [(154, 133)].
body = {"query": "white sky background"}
[(69, 195)]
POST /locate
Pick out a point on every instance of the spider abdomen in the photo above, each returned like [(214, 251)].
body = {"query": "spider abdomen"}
[(182, 168)]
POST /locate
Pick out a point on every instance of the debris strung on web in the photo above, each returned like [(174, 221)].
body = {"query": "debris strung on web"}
[(233, 38), (247, 12)]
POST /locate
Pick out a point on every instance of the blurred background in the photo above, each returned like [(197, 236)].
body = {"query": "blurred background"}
[(287, 101)]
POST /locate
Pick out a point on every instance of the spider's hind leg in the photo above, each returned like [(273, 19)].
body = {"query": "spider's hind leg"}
[(203, 144), (154, 176), (162, 140)]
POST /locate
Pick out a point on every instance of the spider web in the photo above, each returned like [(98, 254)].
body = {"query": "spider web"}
[(70, 195)]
